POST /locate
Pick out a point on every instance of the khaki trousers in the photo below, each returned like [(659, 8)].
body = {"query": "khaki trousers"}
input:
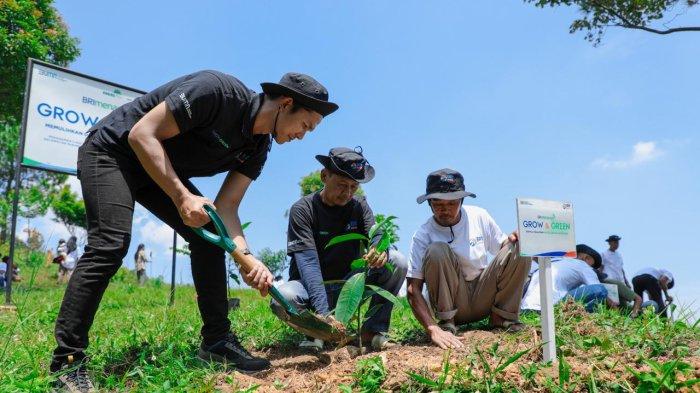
[(498, 289)]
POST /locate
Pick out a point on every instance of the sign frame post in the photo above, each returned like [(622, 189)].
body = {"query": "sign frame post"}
[(20, 163), (549, 350), (172, 274), (9, 274)]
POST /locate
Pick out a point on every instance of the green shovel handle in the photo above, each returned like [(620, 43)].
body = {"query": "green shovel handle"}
[(224, 241), (221, 237)]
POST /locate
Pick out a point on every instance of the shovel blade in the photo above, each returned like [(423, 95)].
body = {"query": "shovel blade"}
[(312, 325)]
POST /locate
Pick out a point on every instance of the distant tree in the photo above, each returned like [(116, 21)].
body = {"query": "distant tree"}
[(312, 183), (28, 28), (392, 228), (276, 261), (598, 15), (35, 240), (69, 210)]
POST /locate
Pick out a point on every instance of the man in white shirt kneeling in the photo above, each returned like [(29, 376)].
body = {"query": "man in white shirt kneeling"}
[(449, 254), (571, 277)]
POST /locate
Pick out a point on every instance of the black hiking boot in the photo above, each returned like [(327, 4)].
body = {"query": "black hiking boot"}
[(230, 352), (73, 378)]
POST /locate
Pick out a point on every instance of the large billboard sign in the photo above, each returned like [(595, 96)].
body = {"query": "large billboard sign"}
[(545, 228), (61, 107)]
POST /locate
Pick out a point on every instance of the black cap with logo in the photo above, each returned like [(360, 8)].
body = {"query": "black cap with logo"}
[(445, 184), (349, 163), (305, 90)]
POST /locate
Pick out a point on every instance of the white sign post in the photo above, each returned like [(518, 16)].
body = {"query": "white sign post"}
[(546, 230)]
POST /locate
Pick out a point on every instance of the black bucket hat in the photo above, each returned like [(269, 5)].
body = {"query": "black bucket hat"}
[(612, 238), (584, 249), (305, 90), (349, 163), (445, 184)]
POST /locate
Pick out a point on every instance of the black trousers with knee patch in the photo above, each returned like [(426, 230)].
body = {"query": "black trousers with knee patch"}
[(650, 284), (109, 204)]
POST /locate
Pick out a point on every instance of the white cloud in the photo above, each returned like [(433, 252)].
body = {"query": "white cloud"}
[(157, 234), (74, 185), (642, 152)]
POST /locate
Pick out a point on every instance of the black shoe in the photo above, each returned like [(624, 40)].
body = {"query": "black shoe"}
[(72, 378), (230, 352)]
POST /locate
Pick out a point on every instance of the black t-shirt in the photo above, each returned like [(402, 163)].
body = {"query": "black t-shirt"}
[(215, 114), (312, 224)]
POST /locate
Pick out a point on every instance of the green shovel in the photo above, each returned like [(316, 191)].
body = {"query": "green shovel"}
[(304, 321)]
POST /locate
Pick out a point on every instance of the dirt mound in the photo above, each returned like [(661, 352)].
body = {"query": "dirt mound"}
[(297, 371)]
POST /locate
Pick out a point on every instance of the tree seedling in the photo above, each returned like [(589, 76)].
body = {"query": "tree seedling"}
[(355, 291)]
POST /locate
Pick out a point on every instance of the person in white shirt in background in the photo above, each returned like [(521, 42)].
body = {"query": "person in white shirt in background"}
[(449, 255), (653, 281), (612, 261), (571, 277), (3, 270), (70, 257)]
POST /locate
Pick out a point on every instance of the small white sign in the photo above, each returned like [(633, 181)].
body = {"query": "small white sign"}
[(545, 228)]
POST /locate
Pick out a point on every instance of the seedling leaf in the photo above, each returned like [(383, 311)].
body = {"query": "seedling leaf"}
[(346, 238), (350, 298)]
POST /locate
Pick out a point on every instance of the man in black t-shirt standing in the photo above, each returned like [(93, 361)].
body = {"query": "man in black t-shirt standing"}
[(146, 151), (317, 218)]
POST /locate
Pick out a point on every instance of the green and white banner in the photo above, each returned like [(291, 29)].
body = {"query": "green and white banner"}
[(61, 108)]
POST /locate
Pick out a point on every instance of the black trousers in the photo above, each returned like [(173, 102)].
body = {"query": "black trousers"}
[(109, 204), (649, 283)]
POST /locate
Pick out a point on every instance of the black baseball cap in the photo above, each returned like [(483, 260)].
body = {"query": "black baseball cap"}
[(305, 90), (445, 184), (612, 238), (349, 163), (584, 249)]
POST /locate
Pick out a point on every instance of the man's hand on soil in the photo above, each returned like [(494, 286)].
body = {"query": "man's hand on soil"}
[(375, 259), (259, 278), (443, 338), (191, 209)]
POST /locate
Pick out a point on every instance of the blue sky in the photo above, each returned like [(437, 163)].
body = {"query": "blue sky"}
[(497, 90)]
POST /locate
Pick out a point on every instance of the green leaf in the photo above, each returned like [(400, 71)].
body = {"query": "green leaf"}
[(381, 225), (244, 226), (564, 371), (484, 363), (350, 298), (373, 310), (510, 360), (384, 242), (423, 380), (357, 264), (385, 294), (346, 238)]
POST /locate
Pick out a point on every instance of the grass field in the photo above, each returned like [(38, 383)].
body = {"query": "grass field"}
[(139, 343)]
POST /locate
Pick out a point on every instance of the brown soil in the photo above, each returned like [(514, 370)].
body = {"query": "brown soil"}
[(298, 371)]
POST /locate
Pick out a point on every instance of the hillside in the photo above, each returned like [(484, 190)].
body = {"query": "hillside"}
[(138, 343)]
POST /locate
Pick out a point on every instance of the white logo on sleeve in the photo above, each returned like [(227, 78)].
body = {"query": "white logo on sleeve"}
[(293, 243), (187, 105)]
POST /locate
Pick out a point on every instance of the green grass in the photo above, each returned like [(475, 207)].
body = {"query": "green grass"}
[(138, 343)]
